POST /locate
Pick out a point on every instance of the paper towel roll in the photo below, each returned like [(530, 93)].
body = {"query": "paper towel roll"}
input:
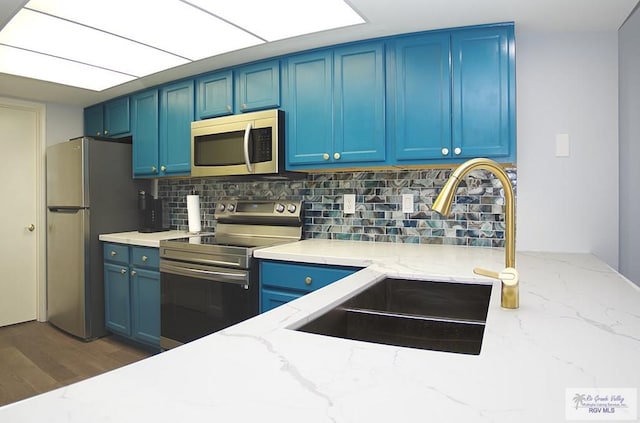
[(193, 212)]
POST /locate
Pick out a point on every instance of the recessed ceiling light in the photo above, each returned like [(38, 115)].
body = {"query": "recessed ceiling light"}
[(119, 40), (29, 64)]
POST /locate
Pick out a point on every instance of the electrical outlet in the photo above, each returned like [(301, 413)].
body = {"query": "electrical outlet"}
[(407, 203), (349, 203)]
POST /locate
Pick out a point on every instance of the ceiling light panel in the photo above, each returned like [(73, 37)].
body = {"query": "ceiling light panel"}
[(47, 68), (278, 19), (170, 25), (61, 38)]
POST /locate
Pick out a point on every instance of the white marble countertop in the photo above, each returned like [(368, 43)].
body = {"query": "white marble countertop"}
[(143, 239), (578, 326)]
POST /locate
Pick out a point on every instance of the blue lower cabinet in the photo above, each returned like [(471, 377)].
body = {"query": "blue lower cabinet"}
[(117, 298), (132, 292), (145, 310), (281, 282)]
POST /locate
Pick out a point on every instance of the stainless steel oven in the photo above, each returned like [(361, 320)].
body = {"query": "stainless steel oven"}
[(210, 282)]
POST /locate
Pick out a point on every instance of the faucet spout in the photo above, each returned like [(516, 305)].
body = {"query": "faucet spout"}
[(442, 205)]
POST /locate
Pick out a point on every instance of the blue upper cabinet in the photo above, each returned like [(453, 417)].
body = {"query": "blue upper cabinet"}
[(452, 96), (176, 114), (309, 108), (483, 88), (258, 86), (359, 103), (110, 119), (335, 107), (422, 97), (145, 132), (214, 95)]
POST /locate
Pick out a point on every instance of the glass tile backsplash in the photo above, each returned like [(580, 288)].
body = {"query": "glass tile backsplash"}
[(477, 215)]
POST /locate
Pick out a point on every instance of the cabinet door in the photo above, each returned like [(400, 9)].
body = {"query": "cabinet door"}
[(422, 97), (258, 86), (359, 98), (483, 88), (93, 121), (145, 306), (214, 95), (144, 129), (176, 115), (116, 117), (270, 299), (309, 108), (117, 298)]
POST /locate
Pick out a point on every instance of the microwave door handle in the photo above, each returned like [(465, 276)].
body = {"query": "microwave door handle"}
[(247, 132)]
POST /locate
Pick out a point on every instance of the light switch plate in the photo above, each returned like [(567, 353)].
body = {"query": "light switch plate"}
[(562, 145), (407, 203), (349, 203)]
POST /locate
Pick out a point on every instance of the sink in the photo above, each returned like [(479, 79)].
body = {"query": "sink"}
[(440, 316)]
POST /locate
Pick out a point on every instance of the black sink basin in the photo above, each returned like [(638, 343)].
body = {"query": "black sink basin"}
[(439, 316)]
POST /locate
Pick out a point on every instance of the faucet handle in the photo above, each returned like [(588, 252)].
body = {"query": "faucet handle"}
[(487, 273), (510, 283)]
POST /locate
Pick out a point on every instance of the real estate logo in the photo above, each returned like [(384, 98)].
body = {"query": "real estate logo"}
[(601, 404)]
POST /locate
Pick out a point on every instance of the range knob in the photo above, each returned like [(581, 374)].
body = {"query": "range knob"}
[(231, 207), (291, 208), (280, 208)]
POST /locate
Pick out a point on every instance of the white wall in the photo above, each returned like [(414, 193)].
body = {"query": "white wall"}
[(62, 123), (568, 83), (629, 42)]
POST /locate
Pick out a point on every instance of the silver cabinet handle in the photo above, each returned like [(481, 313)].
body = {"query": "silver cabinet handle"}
[(123, 271), (145, 258), (308, 280), (113, 253), (31, 227), (336, 156), (457, 151), (133, 273), (325, 156), (445, 151)]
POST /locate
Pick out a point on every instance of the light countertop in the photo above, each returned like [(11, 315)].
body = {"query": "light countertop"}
[(578, 326), (151, 239)]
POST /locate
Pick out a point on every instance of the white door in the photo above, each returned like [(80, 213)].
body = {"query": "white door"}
[(18, 137)]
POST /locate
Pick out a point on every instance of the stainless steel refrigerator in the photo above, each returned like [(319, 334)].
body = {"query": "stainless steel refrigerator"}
[(90, 191)]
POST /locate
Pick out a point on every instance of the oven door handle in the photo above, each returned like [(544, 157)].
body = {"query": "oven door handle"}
[(218, 276), (247, 133)]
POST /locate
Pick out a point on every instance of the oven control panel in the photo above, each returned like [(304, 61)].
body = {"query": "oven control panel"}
[(260, 209)]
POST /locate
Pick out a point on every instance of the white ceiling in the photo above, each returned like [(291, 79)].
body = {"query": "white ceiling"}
[(384, 17)]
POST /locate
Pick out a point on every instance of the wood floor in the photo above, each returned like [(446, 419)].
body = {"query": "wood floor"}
[(36, 357)]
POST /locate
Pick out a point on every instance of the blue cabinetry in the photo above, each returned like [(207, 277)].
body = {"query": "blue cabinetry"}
[(176, 115), (335, 107), (452, 96), (258, 86), (145, 131), (281, 282), (132, 292), (161, 130), (483, 88), (110, 119), (214, 95)]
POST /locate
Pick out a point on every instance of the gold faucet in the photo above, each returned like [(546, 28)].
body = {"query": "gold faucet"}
[(509, 276)]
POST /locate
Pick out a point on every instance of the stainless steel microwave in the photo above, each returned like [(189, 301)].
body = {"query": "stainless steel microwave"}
[(246, 144)]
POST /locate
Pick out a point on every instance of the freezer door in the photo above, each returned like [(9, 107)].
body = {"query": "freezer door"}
[(67, 180), (66, 270)]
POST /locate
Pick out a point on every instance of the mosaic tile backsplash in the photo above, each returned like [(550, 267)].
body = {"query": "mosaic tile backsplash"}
[(477, 215)]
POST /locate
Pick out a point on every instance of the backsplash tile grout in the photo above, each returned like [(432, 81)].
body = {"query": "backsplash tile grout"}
[(477, 215)]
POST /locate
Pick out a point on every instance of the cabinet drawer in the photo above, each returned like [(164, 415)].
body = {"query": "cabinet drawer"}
[(301, 277), (116, 253), (145, 257)]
